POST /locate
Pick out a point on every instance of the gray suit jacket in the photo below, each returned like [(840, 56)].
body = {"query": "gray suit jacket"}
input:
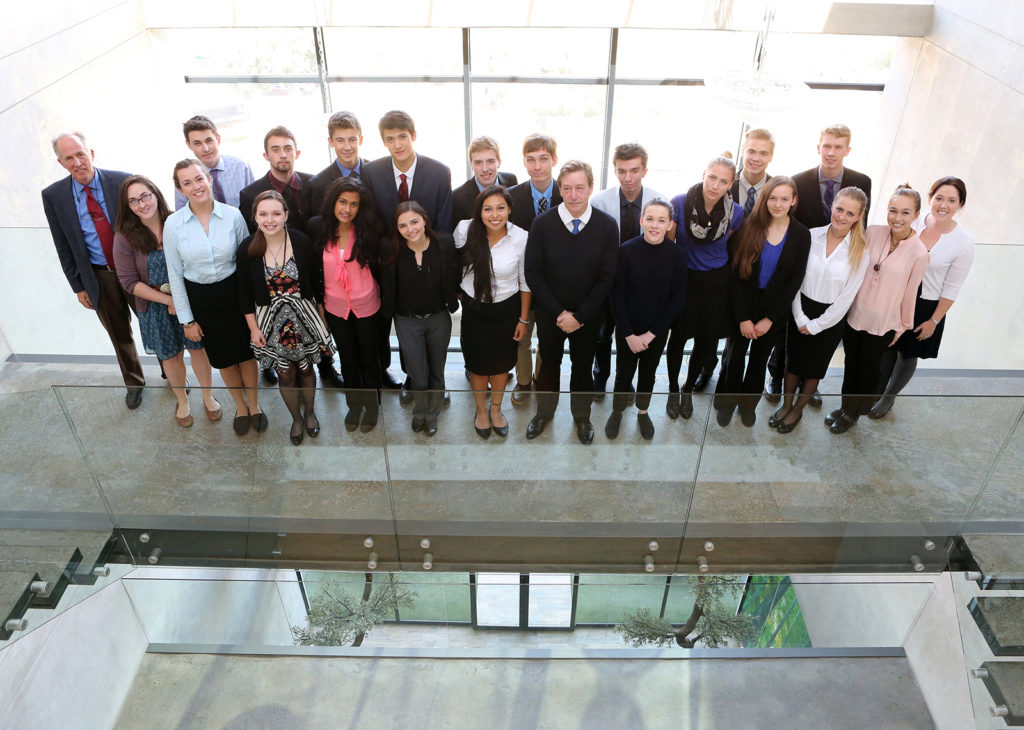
[(607, 201), (66, 229)]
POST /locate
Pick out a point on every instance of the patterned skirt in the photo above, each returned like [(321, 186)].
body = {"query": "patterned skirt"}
[(293, 328)]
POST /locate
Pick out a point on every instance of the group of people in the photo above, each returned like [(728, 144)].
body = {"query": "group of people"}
[(278, 274)]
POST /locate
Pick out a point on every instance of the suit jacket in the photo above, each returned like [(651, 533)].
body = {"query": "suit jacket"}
[(608, 201), (249, 192), (317, 188), (450, 276), (775, 300), (464, 196), (66, 229), (522, 204), (808, 208), (431, 188), (736, 185)]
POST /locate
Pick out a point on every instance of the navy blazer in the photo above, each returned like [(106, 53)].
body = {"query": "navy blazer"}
[(808, 207), (464, 196), (749, 302), (431, 188), (522, 204), (317, 188), (248, 194), (66, 229)]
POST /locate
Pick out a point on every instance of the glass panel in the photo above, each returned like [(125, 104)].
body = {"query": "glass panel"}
[(228, 51), (581, 52), (443, 597), (550, 604), (688, 54), (851, 58), (1000, 500), (606, 599), (393, 52), (497, 599)]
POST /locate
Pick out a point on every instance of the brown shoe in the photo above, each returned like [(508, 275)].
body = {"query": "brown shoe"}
[(213, 415), (185, 422), (521, 394)]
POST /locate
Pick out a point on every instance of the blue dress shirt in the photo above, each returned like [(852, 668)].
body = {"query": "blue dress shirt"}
[(234, 174), (537, 195), (85, 221), (345, 172)]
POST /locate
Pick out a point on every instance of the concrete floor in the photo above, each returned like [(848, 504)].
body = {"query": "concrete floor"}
[(204, 691)]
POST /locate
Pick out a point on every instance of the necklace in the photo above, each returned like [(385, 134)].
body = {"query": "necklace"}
[(284, 248), (893, 243)]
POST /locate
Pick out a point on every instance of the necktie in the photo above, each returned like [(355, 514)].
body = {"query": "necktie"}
[(751, 199), (542, 205), (102, 225), (576, 226), (354, 174), (403, 189), (628, 223), (218, 191), (830, 197)]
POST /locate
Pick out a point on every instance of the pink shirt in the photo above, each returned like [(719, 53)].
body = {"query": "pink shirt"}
[(888, 295), (348, 287)]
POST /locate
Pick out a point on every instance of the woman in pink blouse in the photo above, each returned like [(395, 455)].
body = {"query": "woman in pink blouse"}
[(348, 238), (884, 306)]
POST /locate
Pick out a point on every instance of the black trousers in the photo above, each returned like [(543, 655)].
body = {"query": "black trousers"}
[(550, 346), (777, 361), (357, 340), (603, 346), (741, 381), (862, 368), (626, 364)]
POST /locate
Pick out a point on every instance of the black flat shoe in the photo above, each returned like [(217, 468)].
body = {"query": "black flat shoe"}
[(831, 417), (646, 425), (259, 421), (241, 424), (611, 429), (785, 427), (686, 404), (313, 430), (815, 401), (672, 405), (585, 432), (843, 423), (430, 427), (418, 424), (773, 391), (776, 418), (296, 436), (882, 407), (499, 430), (352, 418), (704, 376), (536, 427), (484, 433), (270, 377)]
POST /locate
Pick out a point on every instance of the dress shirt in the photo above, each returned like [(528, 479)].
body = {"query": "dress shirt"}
[(538, 194), (408, 175), (632, 209), (829, 280), (345, 172), (348, 285), (823, 185), (85, 221), (508, 263), (234, 175), (192, 254), (291, 191), (887, 297), (745, 188), (567, 217), (952, 256)]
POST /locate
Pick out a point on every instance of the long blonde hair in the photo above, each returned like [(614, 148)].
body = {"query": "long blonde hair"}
[(858, 242)]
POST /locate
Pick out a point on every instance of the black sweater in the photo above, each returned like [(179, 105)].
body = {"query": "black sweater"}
[(650, 286), (572, 273)]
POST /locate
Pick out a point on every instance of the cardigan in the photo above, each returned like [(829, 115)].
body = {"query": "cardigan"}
[(132, 268), (252, 279), (749, 303), (449, 276)]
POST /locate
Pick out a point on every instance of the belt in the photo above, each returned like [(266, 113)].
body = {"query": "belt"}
[(102, 267), (416, 315)]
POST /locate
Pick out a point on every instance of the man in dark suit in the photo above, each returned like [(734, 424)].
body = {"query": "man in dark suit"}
[(530, 199), (344, 135), (404, 175), (281, 151), (81, 210), (484, 159), (817, 189)]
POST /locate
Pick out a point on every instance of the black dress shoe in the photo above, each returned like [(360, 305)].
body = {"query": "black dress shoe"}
[(646, 425), (133, 398), (686, 404), (815, 401), (418, 424), (611, 429), (296, 436), (831, 417), (785, 427), (484, 433), (270, 376), (329, 376), (704, 376), (776, 418), (842, 423), (536, 427), (388, 380), (672, 405), (499, 430), (773, 391), (585, 432), (314, 429), (430, 427), (882, 407)]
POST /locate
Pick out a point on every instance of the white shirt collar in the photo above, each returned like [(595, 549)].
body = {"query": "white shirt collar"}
[(409, 174), (567, 218)]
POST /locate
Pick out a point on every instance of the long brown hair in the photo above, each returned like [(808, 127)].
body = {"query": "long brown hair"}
[(749, 239), (258, 244), (128, 223)]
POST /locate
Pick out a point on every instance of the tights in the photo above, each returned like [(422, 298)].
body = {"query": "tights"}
[(298, 385), (704, 349), (789, 407)]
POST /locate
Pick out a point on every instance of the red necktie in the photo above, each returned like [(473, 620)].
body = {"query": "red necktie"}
[(403, 189), (102, 225)]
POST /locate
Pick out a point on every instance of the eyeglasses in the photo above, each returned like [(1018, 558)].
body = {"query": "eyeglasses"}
[(144, 198)]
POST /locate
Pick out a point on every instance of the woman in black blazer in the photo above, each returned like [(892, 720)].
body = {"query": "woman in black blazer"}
[(279, 284), (768, 257), (419, 287)]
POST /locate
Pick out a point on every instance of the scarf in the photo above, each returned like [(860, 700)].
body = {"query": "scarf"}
[(702, 226)]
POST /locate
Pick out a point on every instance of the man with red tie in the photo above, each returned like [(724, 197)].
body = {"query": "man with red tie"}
[(81, 210)]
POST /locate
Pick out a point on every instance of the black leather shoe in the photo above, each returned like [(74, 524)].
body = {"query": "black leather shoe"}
[(748, 417), (773, 391), (405, 398), (133, 398), (831, 417), (882, 407), (672, 405), (270, 376), (776, 418), (815, 401), (585, 432), (723, 416), (536, 427), (296, 436), (704, 376), (484, 433), (611, 429), (646, 425), (418, 424), (388, 380), (329, 376), (686, 404), (785, 427), (314, 429), (842, 423), (498, 430), (430, 427)]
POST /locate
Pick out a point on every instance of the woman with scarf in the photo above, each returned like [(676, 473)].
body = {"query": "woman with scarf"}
[(704, 219)]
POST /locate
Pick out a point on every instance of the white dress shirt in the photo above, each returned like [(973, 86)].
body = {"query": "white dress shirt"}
[(745, 187), (408, 175), (567, 218), (508, 262), (952, 256), (828, 280)]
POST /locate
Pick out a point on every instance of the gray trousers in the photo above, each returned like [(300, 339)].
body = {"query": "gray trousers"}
[(424, 347)]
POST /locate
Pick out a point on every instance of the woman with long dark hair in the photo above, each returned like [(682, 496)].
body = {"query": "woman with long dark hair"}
[(768, 258), (419, 281), (347, 237), (705, 216), (142, 271), (278, 287), (495, 302)]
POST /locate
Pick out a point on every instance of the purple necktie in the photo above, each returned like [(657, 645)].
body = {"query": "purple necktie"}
[(830, 197), (218, 191)]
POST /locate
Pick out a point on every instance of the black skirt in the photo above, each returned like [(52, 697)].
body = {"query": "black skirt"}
[(486, 335), (809, 355), (216, 309), (909, 345), (707, 313)]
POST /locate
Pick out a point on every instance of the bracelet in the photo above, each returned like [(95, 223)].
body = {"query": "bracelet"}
[(189, 324), (935, 322), (523, 321)]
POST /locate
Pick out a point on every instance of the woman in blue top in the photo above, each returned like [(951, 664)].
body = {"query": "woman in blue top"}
[(768, 259), (704, 218)]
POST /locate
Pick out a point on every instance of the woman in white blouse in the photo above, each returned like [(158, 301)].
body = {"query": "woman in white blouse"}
[(495, 302), (835, 270), (952, 252)]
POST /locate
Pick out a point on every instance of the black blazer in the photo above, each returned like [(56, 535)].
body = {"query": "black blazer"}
[(522, 204), (774, 302), (431, 188), (317, 188), (248, 194), (449, 276), (66, 229), (808, 207), (464, 196), (736, 185), (252, 281)]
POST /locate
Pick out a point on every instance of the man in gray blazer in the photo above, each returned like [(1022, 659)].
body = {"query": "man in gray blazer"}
[(624, 203), (81, 210)]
